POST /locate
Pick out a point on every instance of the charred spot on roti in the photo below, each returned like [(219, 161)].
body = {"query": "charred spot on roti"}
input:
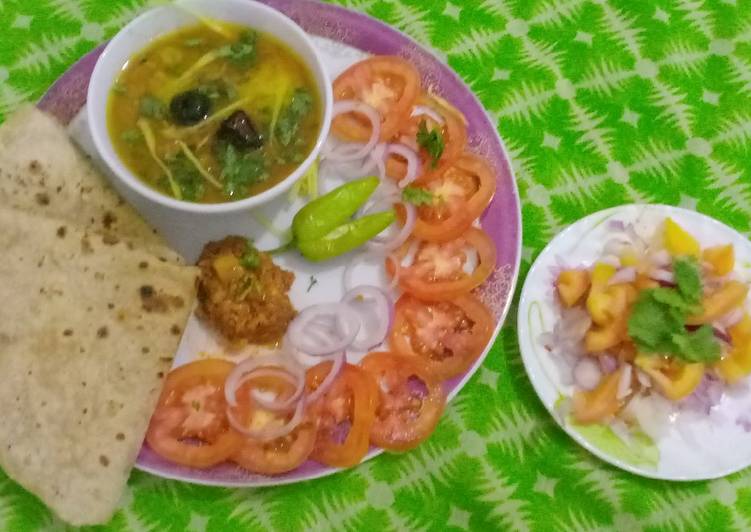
[(83, 383), (68, 332), (86, 245), (42, 199), (175, 330), (102, 332), (160, 375), (119, 436), (110, 240), (104, 460), (143, 264), (108, 220), (34, 165), (99, 276), (61, 231), (145, 350), (85, 411), (110, 306)]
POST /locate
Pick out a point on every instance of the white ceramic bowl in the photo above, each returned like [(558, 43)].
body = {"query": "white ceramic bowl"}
[(135, 37)]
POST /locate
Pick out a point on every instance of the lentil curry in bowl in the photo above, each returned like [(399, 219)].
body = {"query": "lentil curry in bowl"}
[(214, 112)]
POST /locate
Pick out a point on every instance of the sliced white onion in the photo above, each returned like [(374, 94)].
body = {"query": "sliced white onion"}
[(372, 331), (624, 383), (238, 375), (336, 366), (347, 327), (663, 276), (643, 379), (383, 245), (731, 318), (587, 373), (624, 275), (276, 404), (660, 258), (397, 271), (352, 152), (268, 433), (413, 161), (424, 110)]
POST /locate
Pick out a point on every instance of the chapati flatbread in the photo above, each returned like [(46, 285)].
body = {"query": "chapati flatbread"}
[(41, 171), (92, 313)]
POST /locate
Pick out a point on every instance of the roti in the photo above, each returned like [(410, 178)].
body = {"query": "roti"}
[(92, 315)]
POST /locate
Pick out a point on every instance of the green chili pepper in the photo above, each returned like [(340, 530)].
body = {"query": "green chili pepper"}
[(324, 228), (346, 237)]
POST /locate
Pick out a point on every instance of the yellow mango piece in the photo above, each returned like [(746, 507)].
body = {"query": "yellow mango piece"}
[(601, 273), (721, 258), (629, 258), (600, 403), (674, 379), (572, 285), (600, 339), (598, 301), (678, 241), (737, 364), (717, 304)]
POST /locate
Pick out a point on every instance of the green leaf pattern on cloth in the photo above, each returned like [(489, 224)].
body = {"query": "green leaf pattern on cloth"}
[(600, 102)]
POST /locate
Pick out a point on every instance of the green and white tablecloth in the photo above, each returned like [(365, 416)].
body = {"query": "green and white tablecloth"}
[(600, 102)]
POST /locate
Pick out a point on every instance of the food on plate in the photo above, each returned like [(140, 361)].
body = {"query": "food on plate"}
[(242, 293), (401, 151), (411, 400), (447, 335), (324, 228), (438, 272), (656, 315), (213, 113), (191, 409), (94, 306)]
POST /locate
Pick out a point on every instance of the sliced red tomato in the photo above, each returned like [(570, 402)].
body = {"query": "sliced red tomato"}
[(448, 335), (460, 196), (190, 426), (453, 134), (345, 415), (280, 454), (437, 271), (388, 83), (411, 400)]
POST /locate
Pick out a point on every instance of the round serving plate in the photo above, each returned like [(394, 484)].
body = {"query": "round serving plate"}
[(342, 37), (683, 443)]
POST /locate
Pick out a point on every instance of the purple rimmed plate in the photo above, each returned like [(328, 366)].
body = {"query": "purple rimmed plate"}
[(346, 33)]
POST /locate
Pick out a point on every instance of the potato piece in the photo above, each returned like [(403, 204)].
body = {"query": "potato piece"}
[(572, 285), (674, 379), (721, 258), (597, 405), (227, 268), (717, 304), (678, 241)]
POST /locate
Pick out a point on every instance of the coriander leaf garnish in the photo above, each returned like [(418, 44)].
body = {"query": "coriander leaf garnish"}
[(251, 259), (292, 116), (417, 196), (431, 141), (312, 283), (131, 136), (240, 170), (658, 319), (188, 178), (152, 107), (688, 279), (242, 52)]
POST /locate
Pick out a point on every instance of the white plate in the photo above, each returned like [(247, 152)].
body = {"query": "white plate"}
[(691, 446)]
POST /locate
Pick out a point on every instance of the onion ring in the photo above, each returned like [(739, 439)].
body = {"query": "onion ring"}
[(352, 152), (383, 313), (348, 326)]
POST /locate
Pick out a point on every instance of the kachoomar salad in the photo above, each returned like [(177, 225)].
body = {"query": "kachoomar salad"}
[(657, 319)]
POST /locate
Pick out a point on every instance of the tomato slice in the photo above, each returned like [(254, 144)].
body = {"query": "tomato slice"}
[(190, 426), (437, 271), (448, 335), (460, 195), (345, 415), (388, 83), (279, 455), (411, 400), (453, 133)]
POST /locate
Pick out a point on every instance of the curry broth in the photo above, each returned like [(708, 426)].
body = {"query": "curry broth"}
[(260, 90)]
